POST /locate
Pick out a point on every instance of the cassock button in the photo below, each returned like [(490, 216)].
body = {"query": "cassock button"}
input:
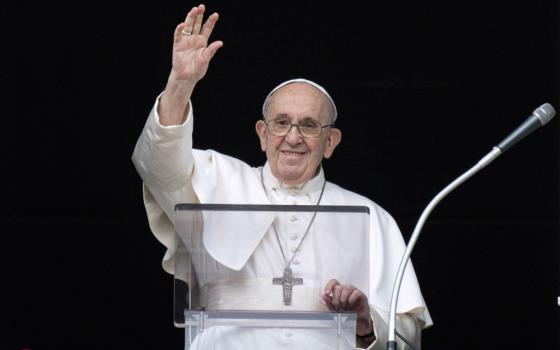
[(294, 236), (293, 249), (295, 262), (293, 218), (288, 335)]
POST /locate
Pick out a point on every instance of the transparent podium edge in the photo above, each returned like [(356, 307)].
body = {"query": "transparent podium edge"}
[(343, 324)]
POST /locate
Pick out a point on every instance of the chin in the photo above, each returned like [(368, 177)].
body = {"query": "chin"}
[(294, 179), (289, 178), (292, 174)]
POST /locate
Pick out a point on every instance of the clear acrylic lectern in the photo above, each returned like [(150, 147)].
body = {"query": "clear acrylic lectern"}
[(232, 288)]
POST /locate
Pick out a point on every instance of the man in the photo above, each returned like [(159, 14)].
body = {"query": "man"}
[(297, 132)]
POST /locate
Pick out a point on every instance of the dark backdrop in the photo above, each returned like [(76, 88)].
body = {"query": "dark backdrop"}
[(423, 92)]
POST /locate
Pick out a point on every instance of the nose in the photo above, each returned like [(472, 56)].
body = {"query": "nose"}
[(293, 136)]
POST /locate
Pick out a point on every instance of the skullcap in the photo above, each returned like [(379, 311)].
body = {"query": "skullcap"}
[(300, 80)]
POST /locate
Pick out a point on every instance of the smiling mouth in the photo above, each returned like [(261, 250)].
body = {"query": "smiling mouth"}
[(292, 153)]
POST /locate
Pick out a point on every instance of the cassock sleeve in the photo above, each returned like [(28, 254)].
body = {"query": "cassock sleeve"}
[(407, 325), (163, 158), (386, 251), (173, 172)]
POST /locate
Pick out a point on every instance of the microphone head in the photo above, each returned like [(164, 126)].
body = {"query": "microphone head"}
[(544, 113)]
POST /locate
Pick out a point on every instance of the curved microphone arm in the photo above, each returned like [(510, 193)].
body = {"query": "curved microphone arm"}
[(487, 159), (540, 116)]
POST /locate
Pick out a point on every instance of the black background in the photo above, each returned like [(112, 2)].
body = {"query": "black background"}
[(423, 92)]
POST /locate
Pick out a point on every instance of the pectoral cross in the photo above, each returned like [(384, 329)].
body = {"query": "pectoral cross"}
[(287, 281)]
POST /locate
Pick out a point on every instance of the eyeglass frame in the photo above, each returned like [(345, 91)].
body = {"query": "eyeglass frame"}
[(297, 128)]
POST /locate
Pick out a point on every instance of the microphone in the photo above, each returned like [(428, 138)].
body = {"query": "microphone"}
[(540, 117)]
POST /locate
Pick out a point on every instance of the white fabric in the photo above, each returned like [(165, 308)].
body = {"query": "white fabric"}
[(258, 294), (166, 161)]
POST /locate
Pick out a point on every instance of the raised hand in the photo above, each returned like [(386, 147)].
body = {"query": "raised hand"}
[(191, 57), (191, 51)]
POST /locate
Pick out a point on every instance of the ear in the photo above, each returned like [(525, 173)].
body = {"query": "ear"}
[(332, 141), (260, 127)]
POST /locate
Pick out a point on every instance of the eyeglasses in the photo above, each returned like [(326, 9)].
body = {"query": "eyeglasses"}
[(309, 128)]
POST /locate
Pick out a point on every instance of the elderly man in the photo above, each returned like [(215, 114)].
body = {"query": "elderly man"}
[(297, 132)]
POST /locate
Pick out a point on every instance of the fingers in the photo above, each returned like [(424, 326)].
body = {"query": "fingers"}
[(210, 51), (209, 25), (328, 294), (189, 21), (198, 19), (178, 32), (193, 23), (355, 298), (344, 297), (329, 287)]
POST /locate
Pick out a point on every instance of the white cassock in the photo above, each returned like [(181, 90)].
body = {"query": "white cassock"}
[(240, 277)]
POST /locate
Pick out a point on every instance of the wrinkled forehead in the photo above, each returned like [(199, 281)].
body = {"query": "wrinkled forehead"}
[(299, 80)]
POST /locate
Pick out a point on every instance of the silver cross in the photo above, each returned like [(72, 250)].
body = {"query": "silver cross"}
[(287, 281)]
